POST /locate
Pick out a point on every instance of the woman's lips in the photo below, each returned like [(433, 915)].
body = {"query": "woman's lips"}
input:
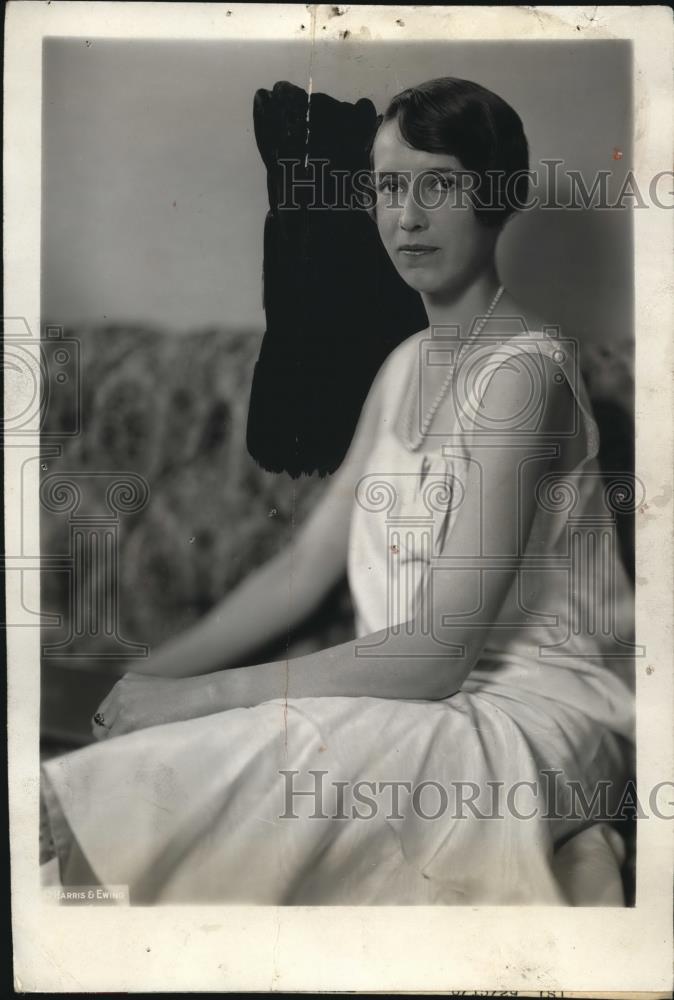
[(413, 251)]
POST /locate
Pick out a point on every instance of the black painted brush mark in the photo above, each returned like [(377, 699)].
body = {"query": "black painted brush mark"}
[(335, 306)]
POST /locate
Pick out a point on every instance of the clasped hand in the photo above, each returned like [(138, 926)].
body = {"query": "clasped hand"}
[(138, 701)]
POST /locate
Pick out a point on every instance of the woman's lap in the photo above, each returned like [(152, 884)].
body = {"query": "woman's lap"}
[(212, 809)]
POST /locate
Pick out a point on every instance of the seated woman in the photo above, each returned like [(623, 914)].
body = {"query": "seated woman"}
[(441, 755)]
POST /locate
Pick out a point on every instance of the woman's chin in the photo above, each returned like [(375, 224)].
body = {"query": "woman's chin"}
[(421, 282)]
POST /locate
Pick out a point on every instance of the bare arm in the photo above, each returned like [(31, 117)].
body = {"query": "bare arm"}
[(283, 592), (492, 527), (469, 583)]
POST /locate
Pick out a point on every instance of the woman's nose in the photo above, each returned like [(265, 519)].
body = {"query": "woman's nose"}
[(412, 215)]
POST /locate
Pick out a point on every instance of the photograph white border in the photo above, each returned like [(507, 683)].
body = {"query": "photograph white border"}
[(375, 949)]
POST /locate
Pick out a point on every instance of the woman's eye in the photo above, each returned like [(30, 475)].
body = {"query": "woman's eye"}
[(388, 184), (441, 183)]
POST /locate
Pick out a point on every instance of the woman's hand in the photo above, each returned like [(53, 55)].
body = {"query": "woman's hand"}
[(137, 702)]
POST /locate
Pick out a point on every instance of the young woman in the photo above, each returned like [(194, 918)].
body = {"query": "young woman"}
[(432, 759)]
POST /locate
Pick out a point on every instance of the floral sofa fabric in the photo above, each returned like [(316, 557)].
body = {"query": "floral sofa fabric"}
[(165, 414)]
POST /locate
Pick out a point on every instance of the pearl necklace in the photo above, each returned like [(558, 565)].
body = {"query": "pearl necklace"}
[(413, 444)]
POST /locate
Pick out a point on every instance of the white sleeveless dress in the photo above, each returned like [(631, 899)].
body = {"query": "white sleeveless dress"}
[(209, 810)]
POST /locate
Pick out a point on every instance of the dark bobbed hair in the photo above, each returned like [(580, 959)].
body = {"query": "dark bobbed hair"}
[(465, 120)]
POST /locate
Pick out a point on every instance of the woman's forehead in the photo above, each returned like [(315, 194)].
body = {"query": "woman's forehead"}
[(390, 152)]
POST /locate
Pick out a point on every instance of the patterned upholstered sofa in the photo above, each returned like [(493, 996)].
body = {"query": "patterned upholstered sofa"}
[(160, 469), (161, 465)]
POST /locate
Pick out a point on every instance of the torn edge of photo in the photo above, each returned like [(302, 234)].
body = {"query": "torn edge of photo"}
[(338, 438)]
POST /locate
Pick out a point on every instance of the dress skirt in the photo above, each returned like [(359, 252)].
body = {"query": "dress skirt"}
[(459, 801)]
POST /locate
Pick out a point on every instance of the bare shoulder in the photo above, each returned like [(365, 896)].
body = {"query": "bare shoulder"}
[(516, 326), (376, 410), (405, 350), (521, 316), (397, 363), (521, 397)]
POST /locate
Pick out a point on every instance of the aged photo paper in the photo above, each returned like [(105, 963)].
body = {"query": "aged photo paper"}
[(338, 497)]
